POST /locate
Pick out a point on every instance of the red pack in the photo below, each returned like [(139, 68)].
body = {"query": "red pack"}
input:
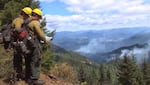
[(22, 34)]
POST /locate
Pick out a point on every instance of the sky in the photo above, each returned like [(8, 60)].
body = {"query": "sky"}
[(77, 15)]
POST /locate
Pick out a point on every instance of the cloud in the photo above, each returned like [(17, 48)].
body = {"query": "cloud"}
[(98, 14), (95, 6), (93, 22), (84, 6)]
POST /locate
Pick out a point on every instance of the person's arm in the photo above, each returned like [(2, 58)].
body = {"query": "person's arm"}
[(17, 23), (40, 32)]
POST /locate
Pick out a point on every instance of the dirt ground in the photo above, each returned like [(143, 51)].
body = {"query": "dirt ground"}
[(49, 81)]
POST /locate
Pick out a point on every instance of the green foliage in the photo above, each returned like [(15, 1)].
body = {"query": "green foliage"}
[(9, 9), (47, 59), (87, 73), (129, 73), (112, 74), (31, 3), (8, 14), (146, 72), (2, 4), (81, 74), (102, 74)]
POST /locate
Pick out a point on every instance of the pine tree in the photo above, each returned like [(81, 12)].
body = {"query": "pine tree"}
[(47, 59), (94, 77), (81, 74), (129, 73), (9, 9), (91, 75), (112, 74), (146, 72), (102, 75)]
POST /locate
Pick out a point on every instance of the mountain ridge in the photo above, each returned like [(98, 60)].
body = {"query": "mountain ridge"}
[(102, 41)]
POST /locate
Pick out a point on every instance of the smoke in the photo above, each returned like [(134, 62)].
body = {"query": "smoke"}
[(139, 53), (93, 46), (99, 45)]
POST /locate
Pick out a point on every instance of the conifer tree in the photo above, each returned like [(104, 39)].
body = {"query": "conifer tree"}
[(129, 73), (102, 74), (146, 72), (9, 9), (112, 74), (81, 74), (91, 75)]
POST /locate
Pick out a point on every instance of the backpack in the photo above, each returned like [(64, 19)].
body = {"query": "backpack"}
[(22, 33), (21, 37), (6, 35), (6, 32)]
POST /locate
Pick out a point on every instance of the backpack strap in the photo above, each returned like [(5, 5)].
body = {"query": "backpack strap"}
[(30, 30)]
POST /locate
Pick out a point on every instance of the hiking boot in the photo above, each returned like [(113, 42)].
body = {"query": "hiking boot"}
[(36, 82)]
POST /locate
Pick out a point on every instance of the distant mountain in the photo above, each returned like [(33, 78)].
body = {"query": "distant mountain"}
[(96, 44)]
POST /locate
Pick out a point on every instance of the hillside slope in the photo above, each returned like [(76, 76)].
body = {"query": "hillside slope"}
[(65, 60), (7, 70), (46, 78), (73, 58)]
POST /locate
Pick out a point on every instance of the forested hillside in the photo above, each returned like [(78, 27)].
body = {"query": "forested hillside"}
[(61, 67)]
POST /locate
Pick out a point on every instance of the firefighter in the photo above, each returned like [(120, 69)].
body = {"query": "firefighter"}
[(17, 25), (36, 34)]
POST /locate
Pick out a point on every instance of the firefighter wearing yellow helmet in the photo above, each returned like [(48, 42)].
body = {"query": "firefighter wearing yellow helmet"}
[(16, 25), (25, 14), (36, 34), (38, 12), (27, 10)]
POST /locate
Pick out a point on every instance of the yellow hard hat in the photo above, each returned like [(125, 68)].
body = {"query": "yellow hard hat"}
[(37, 11), (27, 10)]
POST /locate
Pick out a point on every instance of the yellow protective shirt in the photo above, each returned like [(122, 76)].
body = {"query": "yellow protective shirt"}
[(35, 26), (17, 22)]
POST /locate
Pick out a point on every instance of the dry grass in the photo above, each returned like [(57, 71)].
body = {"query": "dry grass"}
[(66, 72), (6, 64)]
